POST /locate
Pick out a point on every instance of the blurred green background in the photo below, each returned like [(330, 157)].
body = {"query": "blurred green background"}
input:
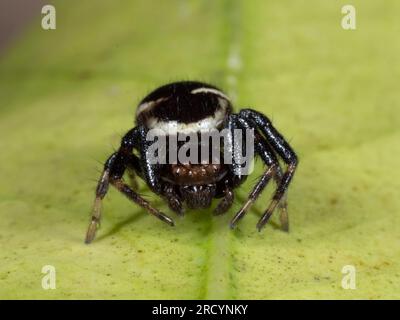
[(68, 95)]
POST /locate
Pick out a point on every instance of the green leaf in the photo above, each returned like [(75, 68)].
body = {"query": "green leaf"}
[(68, 95)]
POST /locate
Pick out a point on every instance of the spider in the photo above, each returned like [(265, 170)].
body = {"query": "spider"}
[(192, 106)]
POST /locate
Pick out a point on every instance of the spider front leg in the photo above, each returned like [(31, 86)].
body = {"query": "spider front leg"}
[(122, 187), (259, 187), (282, 148), (101, 191), (269, 158), (174, 203), (225, 203), (282, 205), (114, 169), (266, 155)]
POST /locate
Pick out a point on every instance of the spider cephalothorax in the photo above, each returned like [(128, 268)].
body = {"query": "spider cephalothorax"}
[(193, 108)]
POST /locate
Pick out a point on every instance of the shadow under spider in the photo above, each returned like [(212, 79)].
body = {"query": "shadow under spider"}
[(134, 218), (118, 226)]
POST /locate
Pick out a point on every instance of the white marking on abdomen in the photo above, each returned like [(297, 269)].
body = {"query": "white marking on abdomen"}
[(209, 90), (150, 104), (206, 124)]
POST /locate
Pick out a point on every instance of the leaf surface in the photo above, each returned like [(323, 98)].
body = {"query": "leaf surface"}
[(68, 95)]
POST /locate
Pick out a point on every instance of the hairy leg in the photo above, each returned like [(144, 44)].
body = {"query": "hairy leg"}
[(262, 149), (114, 169), (283, 149), (174, 203), (225, 203)]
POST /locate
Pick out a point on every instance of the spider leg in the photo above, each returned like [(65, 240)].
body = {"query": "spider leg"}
[(151, 173), (113, 166), (258, 188), (266, 156), (114, 169), (282, 205), (225, 203), (282, 148), (174, 203), (134, 170), (150, 170), (121, 186)]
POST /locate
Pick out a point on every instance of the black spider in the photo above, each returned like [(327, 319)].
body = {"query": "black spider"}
[(192, 107)]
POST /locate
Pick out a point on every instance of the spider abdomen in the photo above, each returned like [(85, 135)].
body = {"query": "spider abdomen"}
[(184, 107)]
